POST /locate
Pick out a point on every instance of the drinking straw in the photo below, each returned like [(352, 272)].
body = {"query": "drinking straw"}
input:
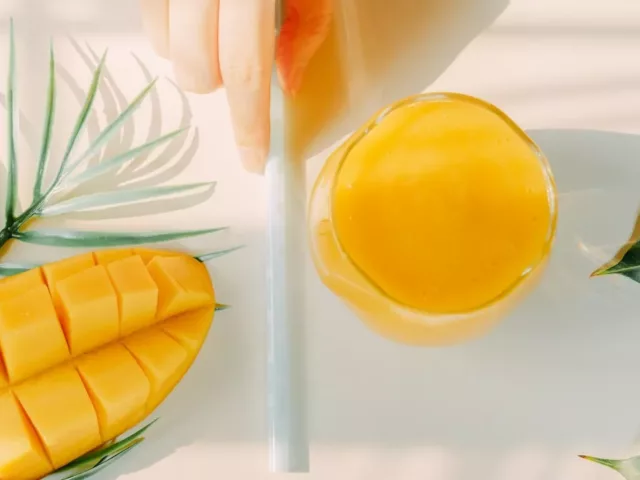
[(288, 444)]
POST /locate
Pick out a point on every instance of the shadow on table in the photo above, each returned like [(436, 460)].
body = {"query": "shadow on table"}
[(544, 380)]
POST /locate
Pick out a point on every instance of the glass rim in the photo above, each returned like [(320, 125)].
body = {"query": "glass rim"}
[(551, 189)]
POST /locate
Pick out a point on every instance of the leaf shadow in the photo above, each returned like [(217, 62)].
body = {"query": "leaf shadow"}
[(155, 128), (139, 168), (26, 127), (108, 91), (145, 208), (146, 170)]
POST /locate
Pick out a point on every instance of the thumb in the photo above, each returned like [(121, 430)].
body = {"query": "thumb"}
[(306, 26)]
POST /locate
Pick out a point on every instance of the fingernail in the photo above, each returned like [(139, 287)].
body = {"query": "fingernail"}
[(253, 160)]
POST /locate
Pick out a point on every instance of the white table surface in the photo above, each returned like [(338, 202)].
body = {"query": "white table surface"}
[(559, 377)]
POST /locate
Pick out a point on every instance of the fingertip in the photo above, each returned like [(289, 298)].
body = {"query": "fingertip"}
[(254, 159)]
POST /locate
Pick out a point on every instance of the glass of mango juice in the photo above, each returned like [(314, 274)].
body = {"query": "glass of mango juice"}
[(434, 219)]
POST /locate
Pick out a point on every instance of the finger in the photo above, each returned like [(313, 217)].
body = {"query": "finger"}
[(306, 26), (155, 23), (247, 37), (193, 39)]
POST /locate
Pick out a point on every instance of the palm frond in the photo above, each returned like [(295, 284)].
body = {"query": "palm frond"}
[(82, 117), (94, 461), (117, 161), (112, 128), (89, 239), (629, 468), (48, 125), (12, 173), (205, 257), (119, 197), (8, 269), (104, 463)]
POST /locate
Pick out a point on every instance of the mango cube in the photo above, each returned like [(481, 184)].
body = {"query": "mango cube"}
[(190, 329), (163, 360), (105, 257), (89, 309), (182, 285), (61, 411), (21, 455), (20, 283), (137, 293), (148, 254), (31, 339), (58, 271), (118, 388)]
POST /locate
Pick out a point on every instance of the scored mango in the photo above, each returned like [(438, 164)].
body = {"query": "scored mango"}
[(90, 346)]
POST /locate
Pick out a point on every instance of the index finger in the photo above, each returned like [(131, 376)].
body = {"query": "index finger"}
[(246, 43)]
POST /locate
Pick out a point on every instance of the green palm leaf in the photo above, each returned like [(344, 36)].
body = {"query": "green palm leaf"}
[(628, 265), (75, 238), (48, 125), (112, 128), (120, 159), (119, 197), (102, 464), (82, 117), (12, 174), (8, 269), (96, 460), (205, 257), (629, 468)]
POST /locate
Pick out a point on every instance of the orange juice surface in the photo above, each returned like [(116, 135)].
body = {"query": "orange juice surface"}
[(432, 220)]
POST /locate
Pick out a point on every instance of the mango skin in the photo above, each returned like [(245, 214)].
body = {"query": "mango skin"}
[(90, 346)]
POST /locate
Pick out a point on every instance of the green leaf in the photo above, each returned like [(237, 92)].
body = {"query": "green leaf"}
[(110, 449), (75, 238), (118, 197), (12, 174), (205, 257), (120, 159), (104, 463), (48, 125), (112, 128), (82, 117), (96, 460), (629, 468), (8, 269), (222, 306), (628, 265)]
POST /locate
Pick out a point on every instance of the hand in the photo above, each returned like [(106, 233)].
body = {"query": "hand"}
[(231, 42)]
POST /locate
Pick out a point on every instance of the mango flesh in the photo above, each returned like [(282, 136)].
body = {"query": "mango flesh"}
[(443, 205), (89, 347)]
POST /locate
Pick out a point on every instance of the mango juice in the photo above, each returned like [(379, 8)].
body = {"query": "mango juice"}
[(434, 219)]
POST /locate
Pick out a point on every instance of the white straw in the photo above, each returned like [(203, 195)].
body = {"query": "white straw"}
[(288, 443)]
